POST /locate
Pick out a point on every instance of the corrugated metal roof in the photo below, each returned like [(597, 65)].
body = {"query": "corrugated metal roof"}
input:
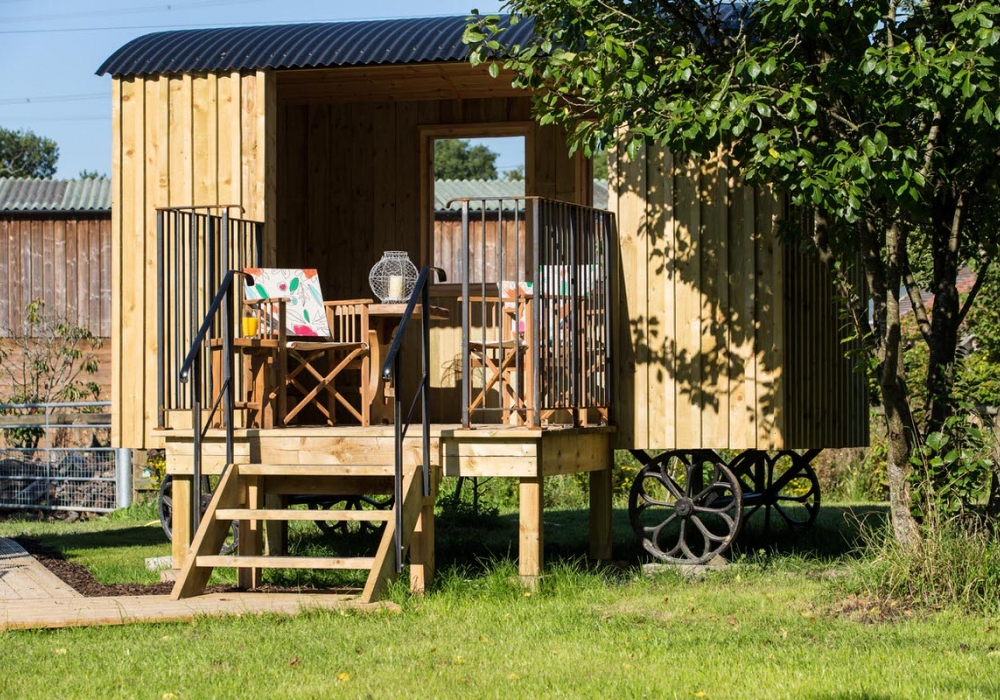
[(317, 45), (446, 190), (25, 194)]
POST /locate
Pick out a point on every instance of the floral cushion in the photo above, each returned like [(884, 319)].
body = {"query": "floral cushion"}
[(304, 312)]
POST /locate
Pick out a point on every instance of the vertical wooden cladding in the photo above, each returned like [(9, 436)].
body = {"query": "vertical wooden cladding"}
[(177, 141), (65, 261), (830, 407), (719, 342)]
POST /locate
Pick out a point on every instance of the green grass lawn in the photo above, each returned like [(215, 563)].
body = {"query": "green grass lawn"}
[(780, 622)]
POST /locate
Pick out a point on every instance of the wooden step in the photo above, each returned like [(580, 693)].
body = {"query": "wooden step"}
[(317, 470), (313, 515), (266, 562)]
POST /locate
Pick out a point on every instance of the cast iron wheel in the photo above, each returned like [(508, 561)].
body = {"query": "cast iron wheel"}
[(165, 509), (343, 527), (783, 483), (685, 506)]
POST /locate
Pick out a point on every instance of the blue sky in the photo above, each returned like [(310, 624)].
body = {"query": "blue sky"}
[(51, 49)]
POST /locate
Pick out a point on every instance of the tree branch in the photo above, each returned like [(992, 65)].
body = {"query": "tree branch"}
[(980, 279), (916, 299)]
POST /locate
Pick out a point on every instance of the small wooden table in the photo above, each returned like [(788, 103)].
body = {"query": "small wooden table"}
[(262, 376), (383, 320)]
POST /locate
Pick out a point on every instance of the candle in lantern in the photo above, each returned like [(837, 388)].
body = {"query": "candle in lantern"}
[(396, 287)]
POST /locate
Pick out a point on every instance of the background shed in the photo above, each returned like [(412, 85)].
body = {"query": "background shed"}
[(55, 245)]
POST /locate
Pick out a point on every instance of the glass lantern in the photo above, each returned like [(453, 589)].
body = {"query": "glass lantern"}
[(393, 277)]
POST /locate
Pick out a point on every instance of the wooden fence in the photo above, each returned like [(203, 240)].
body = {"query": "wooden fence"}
[(65, 261)]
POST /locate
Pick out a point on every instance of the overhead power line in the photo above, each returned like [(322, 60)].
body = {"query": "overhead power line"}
[(53, 98), (129, 11), (82, 118), (212, 25)]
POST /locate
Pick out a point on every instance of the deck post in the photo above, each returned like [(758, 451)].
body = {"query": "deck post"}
[(601, 486), (422, 543), (180, 500), (251, 536), (276, 531), (531, 540)]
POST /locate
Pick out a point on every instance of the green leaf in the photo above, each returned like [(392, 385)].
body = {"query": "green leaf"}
[(494, 70), (294, 284)]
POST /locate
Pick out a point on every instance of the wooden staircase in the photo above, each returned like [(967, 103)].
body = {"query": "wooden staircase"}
[(240, 496)]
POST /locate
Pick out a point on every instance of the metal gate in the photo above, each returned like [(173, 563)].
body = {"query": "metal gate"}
[(51, 458)]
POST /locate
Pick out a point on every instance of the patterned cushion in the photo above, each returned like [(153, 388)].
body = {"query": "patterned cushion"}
[(304, 312)]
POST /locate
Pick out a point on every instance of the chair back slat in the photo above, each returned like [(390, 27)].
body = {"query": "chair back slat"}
[(348, 320)]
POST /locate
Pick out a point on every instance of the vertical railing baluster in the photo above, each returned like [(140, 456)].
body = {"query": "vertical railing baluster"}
[(161, 376), (466, 337), (538, 311)]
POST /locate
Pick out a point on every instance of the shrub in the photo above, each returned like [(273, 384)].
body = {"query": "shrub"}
[(957, 563)]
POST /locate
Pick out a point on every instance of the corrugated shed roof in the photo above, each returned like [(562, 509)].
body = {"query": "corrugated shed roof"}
[(316, 45), (446, 190), (26, 194)]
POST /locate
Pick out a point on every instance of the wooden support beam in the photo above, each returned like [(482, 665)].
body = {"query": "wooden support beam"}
[(180, 502), (251, 534), (531, 539), (600, 511), (422, 545)]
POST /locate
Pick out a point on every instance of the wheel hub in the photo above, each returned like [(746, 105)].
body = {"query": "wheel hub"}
[(684, 507)]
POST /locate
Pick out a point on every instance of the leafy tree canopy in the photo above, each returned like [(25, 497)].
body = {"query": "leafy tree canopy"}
[(91, 175), (880, 116), (25, 154), (456, 159)]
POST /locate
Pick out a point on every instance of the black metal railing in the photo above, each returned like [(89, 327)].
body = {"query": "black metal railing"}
[(391, 374), (536, 310), (192, 369), (195, 246)]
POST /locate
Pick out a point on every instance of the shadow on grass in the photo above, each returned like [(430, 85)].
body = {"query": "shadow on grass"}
[(103, 539), (473, 544)]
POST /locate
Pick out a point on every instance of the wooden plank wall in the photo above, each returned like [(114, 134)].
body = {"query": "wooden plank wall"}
[(64, 261), (447, 248), (177, 140), (709, 352), (827, 400)]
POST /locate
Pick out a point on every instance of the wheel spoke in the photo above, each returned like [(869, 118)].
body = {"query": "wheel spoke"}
[(654, 532), (670, 484), (650, 501), (709, 534), (730, 505), (684, 545)]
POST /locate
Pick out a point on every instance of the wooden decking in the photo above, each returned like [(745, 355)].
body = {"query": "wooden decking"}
[(322, 454), (31, 597)]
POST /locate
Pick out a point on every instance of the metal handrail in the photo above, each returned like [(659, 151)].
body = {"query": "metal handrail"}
[(223, 301), (390, 372)]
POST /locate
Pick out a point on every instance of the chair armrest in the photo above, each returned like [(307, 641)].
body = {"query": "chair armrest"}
[(269, 300), (347, 302)]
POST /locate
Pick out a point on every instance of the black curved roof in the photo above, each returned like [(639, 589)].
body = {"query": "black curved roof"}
[(317, 45)]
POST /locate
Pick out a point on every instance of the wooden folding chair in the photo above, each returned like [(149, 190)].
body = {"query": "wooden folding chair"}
[(503, 356), (310, 343)]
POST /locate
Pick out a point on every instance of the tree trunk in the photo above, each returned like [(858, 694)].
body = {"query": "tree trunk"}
[(892, 382), (898, 466)]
